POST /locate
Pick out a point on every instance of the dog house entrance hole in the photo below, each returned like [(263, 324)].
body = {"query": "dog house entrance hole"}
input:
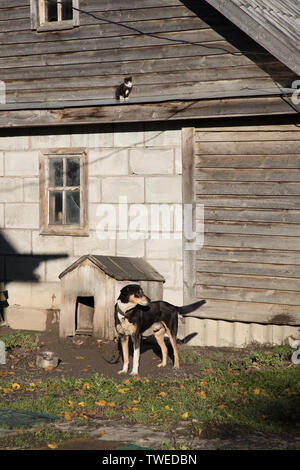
[(84, 315)]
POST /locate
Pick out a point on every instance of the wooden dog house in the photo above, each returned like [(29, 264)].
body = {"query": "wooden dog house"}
[(90, 287)]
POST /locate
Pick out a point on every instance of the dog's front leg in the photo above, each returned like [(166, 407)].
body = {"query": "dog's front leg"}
[(136, 354), (124, 344)]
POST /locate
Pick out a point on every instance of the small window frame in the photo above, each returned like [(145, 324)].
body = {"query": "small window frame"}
[(63, 229), (38, 22)]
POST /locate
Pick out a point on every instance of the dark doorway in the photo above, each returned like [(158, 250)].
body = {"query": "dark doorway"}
[(84, 315)]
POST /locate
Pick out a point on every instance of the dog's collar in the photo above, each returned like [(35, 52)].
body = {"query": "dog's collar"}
[(122, 312)]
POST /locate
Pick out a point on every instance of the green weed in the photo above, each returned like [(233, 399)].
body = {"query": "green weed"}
[(20, 339)]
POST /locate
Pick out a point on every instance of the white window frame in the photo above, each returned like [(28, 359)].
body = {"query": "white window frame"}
[(38, 17)]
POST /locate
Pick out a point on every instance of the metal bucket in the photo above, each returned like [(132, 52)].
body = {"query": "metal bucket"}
[(46, 359)]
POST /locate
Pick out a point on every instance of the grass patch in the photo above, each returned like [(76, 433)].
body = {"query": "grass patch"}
[(19, 339), (41, 437), (265, 398)]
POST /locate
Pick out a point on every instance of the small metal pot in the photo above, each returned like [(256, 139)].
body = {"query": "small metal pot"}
[(46, 359)]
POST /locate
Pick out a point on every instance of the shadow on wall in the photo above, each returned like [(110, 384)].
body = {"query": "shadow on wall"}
[(251, 49), (15, 266)]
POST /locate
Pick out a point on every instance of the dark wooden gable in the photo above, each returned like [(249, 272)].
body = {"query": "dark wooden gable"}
[(83, 66)]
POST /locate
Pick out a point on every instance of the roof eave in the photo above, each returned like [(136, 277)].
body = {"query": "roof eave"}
[(273, 41)]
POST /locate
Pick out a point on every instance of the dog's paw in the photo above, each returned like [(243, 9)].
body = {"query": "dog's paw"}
[(123, 371), (134, 372), (161, 364)]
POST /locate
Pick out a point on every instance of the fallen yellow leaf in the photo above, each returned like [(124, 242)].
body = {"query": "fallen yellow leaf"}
[(67, 416), (185, 415), (52, 446), (111, 404), (81, 403), (86, 386), (162, 394), (256, 391), (123, 390), (15, 386), (101, 402), (221, 406)]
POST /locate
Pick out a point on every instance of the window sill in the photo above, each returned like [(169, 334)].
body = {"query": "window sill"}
[(56, 26), (62, 231)]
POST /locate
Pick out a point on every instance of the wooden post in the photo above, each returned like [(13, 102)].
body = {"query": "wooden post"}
[(188, 197)]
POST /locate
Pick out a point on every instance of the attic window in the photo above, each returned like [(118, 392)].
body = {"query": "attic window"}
[(47, 15), (56, 11)]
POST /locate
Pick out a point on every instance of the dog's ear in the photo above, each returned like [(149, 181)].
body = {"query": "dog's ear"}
[(126, 292), (124, 295)]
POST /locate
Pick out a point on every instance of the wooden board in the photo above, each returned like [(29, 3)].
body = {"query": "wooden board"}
[(146, 39), (247, 177), (38, 115)]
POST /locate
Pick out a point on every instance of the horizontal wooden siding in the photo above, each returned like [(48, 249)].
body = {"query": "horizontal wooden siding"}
[(248, 179), (85, 64)]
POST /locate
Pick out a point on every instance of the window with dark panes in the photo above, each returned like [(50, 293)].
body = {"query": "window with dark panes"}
[(64, 192), (54, 14), (58, 10)]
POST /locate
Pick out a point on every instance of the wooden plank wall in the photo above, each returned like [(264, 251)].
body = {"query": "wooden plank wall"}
[(87, 63), (248, 178)]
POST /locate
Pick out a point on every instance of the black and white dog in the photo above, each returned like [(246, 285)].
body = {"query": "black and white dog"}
[(136, 315)]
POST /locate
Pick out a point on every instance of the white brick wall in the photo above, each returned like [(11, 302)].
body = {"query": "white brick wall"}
[(22, 215), (11, 189), (16, 142), (161, 189), (106, 162), (149, 161), (21, 163), (130, 187), (1, 163), (140, 161), (1, 215)]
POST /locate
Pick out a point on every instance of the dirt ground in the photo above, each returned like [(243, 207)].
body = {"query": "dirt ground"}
[(81, 356)]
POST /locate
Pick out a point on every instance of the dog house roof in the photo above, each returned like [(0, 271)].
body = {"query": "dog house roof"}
[(120, 268)]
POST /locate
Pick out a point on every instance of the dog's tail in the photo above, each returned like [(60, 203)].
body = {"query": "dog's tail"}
[(186, 309)]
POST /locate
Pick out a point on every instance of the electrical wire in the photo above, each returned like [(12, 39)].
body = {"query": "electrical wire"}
[(178, 41), (156, 36)]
